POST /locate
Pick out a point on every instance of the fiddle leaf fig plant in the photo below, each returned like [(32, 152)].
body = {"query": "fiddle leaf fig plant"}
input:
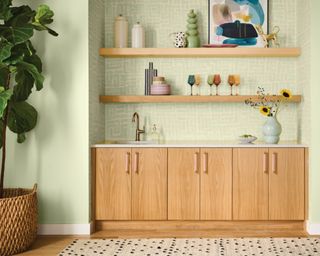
[(20, 69)]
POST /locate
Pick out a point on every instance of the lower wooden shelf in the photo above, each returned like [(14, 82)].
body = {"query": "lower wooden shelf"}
[(186, 99)]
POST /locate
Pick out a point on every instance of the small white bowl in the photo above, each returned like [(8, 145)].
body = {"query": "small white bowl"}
[(247, 140)]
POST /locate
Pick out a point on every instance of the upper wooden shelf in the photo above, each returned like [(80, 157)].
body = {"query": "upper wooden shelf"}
[(185, 99), (199, 52)]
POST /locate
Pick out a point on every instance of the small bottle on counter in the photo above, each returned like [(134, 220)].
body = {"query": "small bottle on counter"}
[(121, 32), (154, 136), (138, 36)]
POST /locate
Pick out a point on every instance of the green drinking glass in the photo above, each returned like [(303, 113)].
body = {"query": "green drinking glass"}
[(191, 82)]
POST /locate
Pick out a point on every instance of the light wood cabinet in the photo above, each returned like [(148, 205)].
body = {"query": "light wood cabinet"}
[(250, 184), (188, 168), (216, 184), (286, 184), (113, 184), (183, 184), (131, 184), (269, 184), (149, 184)]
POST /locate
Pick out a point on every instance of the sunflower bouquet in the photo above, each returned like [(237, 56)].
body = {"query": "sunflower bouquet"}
[(268, 105)]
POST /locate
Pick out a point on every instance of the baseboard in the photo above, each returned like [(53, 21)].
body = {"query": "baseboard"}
[(65, 229), (313, 228)]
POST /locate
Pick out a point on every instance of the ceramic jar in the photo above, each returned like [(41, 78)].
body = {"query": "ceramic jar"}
[(138, 36), (121, 32), (272, 130)]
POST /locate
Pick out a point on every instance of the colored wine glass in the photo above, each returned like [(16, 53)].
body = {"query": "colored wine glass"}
[(191, 82), (210, 83), (231, 81), (217, 82), (237, 81), (198, 83)]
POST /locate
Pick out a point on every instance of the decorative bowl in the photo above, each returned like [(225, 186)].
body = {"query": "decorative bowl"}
[(247, 139)]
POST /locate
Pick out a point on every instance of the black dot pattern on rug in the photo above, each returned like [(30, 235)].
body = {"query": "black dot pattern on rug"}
[(195, 247)]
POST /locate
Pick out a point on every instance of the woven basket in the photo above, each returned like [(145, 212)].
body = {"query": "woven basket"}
[(18, 220)]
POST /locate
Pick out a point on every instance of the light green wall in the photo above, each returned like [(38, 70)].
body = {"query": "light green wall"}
[(56, 152), (315, 116)]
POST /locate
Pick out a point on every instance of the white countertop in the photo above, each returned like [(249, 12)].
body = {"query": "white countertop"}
[(200, 144)]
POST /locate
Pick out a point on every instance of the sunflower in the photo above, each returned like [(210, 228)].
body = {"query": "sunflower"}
[(285, 93), (265, 110)]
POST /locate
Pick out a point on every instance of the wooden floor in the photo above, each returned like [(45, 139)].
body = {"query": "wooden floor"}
[(52, 245)]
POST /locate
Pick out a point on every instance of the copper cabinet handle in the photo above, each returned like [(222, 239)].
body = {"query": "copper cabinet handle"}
[(274, 162), (265, 162), (205, 162), (196, 157), (128, 162), (136, 163)]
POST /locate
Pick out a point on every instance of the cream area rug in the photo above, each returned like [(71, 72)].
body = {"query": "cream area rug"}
[(190, 247)]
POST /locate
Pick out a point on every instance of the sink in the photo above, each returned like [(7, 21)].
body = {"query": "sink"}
[(133, 142)]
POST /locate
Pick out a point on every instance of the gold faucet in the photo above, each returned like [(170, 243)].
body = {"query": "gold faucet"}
[(135, 118)]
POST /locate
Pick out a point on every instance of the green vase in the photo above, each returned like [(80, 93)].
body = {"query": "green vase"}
[(193, 37)]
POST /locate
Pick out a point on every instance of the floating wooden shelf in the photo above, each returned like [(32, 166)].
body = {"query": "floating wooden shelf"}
[(185, 99), (199, 52)]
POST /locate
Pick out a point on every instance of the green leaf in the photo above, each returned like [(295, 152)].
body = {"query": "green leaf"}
[(44, 17), (22, 117), (21, 138), (21, 15), (4, 98), (5, 12), (33, 71), (17, 35), (4, 73), (19, 52), (5, 50), (35, 60), (23, 88)]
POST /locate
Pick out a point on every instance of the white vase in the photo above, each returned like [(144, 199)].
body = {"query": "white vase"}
[(272, 130), (121, 32), (138, 36)]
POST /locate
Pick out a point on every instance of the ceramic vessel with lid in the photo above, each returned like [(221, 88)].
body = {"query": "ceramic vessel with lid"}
[(138, 36), (121, 32)]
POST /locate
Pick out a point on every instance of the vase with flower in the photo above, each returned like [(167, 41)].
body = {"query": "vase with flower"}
[(270, 107)]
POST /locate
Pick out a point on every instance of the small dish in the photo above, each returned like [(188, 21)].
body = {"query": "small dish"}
[(220, 45), (247, 139)]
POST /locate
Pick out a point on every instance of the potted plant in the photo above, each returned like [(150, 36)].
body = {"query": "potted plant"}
[(20, 72)]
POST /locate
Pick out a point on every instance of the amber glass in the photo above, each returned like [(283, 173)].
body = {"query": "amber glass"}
[(217, 82)]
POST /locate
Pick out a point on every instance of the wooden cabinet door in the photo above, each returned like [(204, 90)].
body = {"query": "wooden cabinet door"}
[(216, 184), (149, 184), (286, 184), (250, 184), (113, 184), (183, 184)]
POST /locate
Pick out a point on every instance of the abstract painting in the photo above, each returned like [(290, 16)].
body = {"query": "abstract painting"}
[(238, 22)]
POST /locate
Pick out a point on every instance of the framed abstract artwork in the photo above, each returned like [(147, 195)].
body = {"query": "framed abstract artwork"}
[(238, 22)]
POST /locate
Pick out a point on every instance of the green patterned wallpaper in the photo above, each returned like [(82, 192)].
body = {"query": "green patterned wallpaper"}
[(196, 121)]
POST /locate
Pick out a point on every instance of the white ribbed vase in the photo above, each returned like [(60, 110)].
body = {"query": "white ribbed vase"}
[(272, 130)]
